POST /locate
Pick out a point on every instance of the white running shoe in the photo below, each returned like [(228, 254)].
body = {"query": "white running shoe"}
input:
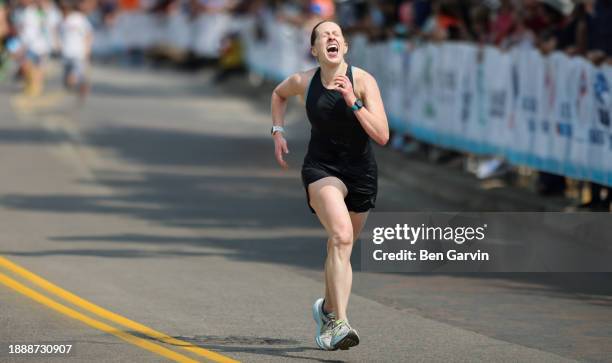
[(341, 335), (322, 320)]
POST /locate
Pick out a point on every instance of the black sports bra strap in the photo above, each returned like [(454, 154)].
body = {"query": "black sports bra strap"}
[(315, 78), (349, 73)]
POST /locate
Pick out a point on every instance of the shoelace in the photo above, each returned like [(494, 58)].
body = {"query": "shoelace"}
[(336, 325), (329, 324), (330, 317)]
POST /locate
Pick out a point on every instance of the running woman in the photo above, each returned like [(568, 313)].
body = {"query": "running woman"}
[(339, 173)]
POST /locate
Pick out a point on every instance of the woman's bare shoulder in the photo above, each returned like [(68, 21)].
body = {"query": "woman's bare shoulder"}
[(306, 76), (362, 80), (296, 83), (360, 74)]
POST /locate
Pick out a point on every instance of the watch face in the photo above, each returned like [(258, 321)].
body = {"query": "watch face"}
[(359, 103)]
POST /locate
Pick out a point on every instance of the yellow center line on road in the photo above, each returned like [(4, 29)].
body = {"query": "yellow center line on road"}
[(140, 342), (109, 315)]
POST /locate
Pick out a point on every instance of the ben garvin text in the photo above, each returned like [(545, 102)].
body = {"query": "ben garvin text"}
[(414, 234)]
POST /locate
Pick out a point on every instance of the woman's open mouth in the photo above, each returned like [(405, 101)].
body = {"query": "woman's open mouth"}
[(332, 50)]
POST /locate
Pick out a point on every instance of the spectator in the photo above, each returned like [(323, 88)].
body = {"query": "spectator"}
[(446, 22), (553, 18), (602, 19), (347, 14), (51, 21), (405, 17), (480, 24), (359, 20), (504, 22), (76, 41), (4, 32), (318, 10), (4, 28), (36, 45), (323, 8), (422, 10), (129, 5), (577, 36), (213, 6)]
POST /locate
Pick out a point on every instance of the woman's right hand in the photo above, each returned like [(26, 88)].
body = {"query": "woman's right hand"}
[(293, 85), (280, 148)]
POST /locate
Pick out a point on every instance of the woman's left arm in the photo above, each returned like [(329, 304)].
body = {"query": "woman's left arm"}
[(372, 115)]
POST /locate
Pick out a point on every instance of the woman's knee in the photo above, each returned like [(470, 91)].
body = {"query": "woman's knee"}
[(341, 238)]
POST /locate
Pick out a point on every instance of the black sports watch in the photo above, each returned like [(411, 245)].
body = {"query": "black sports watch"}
[(358, 105)]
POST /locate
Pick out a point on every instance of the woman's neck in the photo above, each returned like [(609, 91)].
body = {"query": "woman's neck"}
[(329, 72)]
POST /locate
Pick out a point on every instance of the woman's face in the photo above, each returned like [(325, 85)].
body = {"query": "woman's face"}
[(330, 46)]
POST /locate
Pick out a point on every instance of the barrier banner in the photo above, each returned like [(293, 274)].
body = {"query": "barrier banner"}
[(174, 30), (583, 97), (209, 30), (604, 109), (470, 95), (137, 29), (568, 112), (394, 89), (600, 138)]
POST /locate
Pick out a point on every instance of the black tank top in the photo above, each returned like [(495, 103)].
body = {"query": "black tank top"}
[(336, 134)]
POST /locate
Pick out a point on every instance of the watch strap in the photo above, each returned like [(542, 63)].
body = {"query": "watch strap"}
[(276, 128)]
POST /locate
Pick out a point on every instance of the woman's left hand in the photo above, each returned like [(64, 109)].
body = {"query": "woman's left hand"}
[(345, 87)]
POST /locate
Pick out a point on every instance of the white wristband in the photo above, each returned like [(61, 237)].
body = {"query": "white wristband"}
[(277, 128)]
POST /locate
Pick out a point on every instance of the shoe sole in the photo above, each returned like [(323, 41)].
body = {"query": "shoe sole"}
[(315, 316), (350, 340)]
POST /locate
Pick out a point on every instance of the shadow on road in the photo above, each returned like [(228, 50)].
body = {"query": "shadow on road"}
[(275, 347), (30, 136)]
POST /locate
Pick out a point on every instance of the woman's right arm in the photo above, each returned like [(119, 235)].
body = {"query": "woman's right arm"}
[(292, 86)]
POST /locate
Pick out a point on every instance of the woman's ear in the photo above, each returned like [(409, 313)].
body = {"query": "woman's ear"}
[(313, 51), (346, 46)]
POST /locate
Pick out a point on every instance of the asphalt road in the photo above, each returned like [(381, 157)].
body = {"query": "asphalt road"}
[(160, 201)]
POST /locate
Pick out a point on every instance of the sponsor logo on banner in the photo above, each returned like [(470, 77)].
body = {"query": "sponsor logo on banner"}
[(601, 89)]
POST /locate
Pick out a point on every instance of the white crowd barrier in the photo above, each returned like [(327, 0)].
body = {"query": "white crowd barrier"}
[(282, 50), (141, 30), (551, 113)]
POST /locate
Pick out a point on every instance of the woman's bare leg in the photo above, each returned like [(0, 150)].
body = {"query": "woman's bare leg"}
[(357, 221), (327, 199)]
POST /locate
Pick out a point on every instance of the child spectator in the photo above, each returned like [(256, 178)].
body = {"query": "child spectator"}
[(76, 41), (36, 45)]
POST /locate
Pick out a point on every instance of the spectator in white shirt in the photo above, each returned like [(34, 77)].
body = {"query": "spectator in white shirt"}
[(76, 35), (36, 46)]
